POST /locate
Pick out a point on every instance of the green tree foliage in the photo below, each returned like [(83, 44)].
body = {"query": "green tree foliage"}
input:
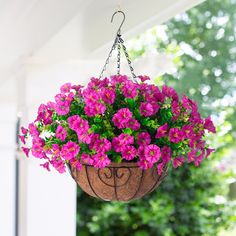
[(191, 201)]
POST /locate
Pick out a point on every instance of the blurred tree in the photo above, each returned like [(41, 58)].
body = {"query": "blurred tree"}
[(191, 201)]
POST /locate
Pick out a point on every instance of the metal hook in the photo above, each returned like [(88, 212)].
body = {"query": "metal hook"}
[(118, 31)]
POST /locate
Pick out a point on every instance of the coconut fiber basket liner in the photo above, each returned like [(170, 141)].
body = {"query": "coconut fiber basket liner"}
[(118, 181)]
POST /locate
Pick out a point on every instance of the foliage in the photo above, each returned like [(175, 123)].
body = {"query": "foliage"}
[(190, 201)]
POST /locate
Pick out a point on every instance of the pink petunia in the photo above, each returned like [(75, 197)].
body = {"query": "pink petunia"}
[(209, 151), (33, 130), (58, 164), (101, 145), (122, 117), (46, 166), (146, 109), (26, 151), (178, 161), (24, 131), (170, 93), (208, 124), (143, 163), (141, 153), (75, 164), (128, 152), (61, 133), (69, 150), (166, 154), (62, 110), (192, 155), (132, 124), (44, 114), (109, 95), (120, 141), (95, 108), (152, 153), (162, 131), (22, 138), (160, 168), (144, 138), (87, 159), (175, 135), (101, 160), (65, 88), (144, 78), (129, 89)]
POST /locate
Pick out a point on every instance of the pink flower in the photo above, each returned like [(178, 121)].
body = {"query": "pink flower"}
[(87, 159), (24, 131), (192, 155), (178, 161), (101, 145), (101, 160), (129, 89), (61, 133), (147, 109), (188, 131), (91, 96), (144, 138), (77, 124), (58, 164), (160, 168), (175, 135), (37, 148), (152, 153), (46, 166), (132, 124), (122, 140), (95, 108), (143, 78), (162, 131), (122, 117), (33, 130), (128, 153), (26, 151), (175, 109), (44, 114), (208, 124), (84, 138), (199, 159), (69, 150), (65, 88), (170, 92), (62, 110), (144, 164), (109, 95), (141, 153), (22, 138), (118, 79), (75, 164), (209, 151), (187, 103), (166, 154)]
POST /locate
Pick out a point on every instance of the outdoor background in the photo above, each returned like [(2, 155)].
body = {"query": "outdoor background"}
[(201, 43)]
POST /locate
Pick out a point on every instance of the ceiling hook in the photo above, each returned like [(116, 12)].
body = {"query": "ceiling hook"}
[(118, 31)]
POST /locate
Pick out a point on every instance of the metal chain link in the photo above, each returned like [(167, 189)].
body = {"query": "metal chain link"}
[(109, 56), (127, 58), (119, 42)]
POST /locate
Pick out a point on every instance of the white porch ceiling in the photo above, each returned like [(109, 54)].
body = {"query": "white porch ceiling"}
[(72, 27)]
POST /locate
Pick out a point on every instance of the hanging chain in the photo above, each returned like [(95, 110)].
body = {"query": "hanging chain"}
[(109, 56), (127, 58), (118, 55), (119, 42)]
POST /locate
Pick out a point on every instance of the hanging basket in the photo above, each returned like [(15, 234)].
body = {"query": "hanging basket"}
[(117, 182)]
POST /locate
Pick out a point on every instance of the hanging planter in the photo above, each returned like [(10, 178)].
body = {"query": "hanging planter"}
[(117, 135), (118, 181)]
